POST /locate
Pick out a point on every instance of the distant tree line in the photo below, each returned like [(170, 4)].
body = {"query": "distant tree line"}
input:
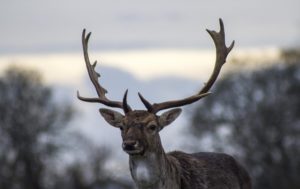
[(33, 136), (255, 115)]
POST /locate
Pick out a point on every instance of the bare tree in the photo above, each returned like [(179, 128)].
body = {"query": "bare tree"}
[(90, 173), (29, 123), (33, 135)]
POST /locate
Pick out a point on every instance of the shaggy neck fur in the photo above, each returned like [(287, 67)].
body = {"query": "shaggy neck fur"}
[(154, 170)]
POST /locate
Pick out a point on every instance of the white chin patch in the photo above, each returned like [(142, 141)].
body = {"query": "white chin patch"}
[(142, 172)]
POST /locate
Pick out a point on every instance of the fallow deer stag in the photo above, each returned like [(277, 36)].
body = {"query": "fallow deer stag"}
[(150, 166)]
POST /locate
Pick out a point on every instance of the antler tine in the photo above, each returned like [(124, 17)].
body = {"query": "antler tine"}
[(126, 108), (94, 79), (156, 107), (147, 104), (221, 54)]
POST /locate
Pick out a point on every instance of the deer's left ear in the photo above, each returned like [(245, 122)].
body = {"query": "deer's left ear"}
[(168, 117)]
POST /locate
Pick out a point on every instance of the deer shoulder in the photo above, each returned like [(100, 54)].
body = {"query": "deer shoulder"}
[(209, 170)]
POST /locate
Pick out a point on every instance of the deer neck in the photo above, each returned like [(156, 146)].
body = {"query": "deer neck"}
[(153, 170)]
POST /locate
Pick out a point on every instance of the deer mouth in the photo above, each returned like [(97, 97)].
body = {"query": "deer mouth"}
[(135, 152)]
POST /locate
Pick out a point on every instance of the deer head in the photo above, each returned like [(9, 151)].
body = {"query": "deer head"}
[(140, 128)]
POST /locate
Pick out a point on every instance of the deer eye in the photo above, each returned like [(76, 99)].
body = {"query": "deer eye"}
[(152, 127), (122, 128)]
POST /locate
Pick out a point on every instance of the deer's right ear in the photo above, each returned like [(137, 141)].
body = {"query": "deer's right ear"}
[(112, 117)]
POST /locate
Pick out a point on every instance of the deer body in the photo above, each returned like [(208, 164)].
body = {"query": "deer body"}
[(178, 170), (150, 166)]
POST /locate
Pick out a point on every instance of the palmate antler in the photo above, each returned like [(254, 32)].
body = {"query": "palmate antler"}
[(94, 78), (221, 54)]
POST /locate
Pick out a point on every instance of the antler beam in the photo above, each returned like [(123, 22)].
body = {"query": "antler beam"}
[(221, 54), (94, 78)]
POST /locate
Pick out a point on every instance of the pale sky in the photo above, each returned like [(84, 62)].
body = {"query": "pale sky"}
[(56, 25), (194, 64)]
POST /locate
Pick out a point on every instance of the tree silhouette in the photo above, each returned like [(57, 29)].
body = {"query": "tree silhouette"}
[(29, 124), (33, 134), (256, 117), (88, 170)]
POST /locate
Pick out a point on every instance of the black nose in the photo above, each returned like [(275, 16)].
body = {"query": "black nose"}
[(129, 144)]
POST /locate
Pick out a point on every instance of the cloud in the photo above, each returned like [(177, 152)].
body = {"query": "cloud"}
[(42, 26)]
